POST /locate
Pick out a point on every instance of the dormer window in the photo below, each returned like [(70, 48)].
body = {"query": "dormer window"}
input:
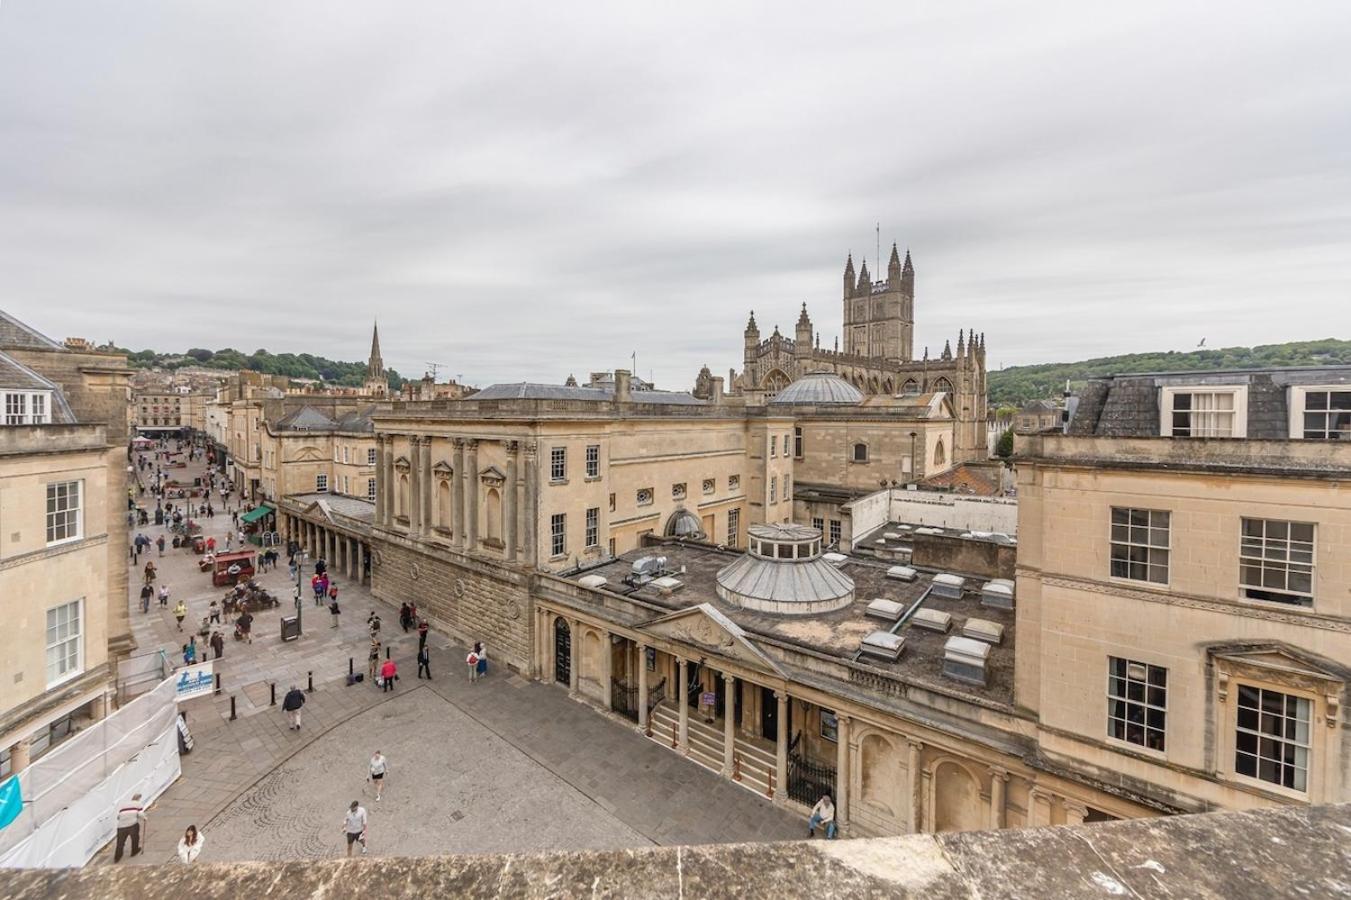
[(28, 407), (1204, 411), (1321, 413)]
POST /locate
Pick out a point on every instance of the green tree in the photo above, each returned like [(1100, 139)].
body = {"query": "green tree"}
[(1003, 448)]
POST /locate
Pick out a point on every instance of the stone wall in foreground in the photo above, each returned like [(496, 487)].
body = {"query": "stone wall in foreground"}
[(1231, 855)]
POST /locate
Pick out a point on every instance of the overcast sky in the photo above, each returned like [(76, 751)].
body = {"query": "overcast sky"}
[(521, 191)]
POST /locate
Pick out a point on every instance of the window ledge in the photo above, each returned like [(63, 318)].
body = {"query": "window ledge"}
[(592, 478), (558, 481), (558, 557), (1137, 749), (64, 541), (859, 462)]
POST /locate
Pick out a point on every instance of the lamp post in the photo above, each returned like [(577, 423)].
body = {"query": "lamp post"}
[(300, 569)]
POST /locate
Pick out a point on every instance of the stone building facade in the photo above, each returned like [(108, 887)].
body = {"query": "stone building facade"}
[(878, 354), (63, 513)]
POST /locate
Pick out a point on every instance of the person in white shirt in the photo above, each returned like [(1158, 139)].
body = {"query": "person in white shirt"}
[(190, 845), (823, 813), (354, 826), (379, 766)]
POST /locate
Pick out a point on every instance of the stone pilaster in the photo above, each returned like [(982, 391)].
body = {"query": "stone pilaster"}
[(471, 495)]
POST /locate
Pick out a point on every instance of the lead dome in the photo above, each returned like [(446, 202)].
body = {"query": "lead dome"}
[(819, 388)]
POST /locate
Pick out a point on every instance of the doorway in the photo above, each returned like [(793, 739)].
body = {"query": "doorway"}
[(562, 652)]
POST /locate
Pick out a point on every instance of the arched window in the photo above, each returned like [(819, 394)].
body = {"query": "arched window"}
[(443, 509), (860, 452), (942, 384), (493, 502), (940, 454), (402, 509), (910, 388)]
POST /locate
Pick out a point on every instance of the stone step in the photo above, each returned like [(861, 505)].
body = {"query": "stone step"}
[(706, 748), (663, 718)]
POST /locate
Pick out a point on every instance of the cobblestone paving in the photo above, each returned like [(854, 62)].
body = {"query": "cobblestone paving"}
[(453, 787), (525, 766)]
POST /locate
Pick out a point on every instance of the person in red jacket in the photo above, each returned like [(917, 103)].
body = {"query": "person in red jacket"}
[(388, 672)]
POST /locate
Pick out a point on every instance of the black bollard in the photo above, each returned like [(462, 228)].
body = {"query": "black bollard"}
[(217, 683), (274, 694), (386, 651), (232, 707), (309, 687), (350, 669)]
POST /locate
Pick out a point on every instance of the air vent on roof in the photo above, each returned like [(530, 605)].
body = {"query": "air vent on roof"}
[(949, 586), (591, 581), (883, 645), (928, 531), (881, 540), (645, 569), (964, 660), (997, 594), (891, 535), (901, 573), (835, 559), (882, 608), (983, 630), (932, 619), (667, 585)]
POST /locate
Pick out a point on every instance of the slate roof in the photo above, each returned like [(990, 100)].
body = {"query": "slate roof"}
[(15, 375), (528, 390), (307, 418), (359, 420), (1128, 405), (14, 333)]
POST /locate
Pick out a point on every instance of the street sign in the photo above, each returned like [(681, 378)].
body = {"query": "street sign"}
[(194, 681)]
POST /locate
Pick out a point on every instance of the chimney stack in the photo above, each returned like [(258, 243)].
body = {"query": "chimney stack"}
[(716, 398), (623, 389)]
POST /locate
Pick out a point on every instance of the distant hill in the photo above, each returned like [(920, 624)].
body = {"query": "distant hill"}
[(292, 365), (1017, 385)]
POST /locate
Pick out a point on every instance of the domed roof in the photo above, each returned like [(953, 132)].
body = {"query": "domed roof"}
[(819, 387), (684, 524)]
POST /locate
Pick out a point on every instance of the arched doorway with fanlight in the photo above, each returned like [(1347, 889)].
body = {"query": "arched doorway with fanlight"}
[(562, 651)]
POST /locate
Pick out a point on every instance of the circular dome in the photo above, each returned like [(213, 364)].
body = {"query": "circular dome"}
[(684, 524), (819, 387), (784, 574)]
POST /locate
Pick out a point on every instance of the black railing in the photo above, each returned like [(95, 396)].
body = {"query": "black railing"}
[(808, 781), (656, 695), (624, 699)]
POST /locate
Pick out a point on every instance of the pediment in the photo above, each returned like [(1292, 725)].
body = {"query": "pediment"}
[(1281, 660), (704, 628), (317, 509), (443, 469), (493, 476), (402, 464), (309, 454)]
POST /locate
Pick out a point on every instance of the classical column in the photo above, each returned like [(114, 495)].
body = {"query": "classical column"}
[(509, 510), (642, 686), (729, 723), (392, 502), (574, 658), (1075, 812), (428, 506), (842, 771), (684, 695), (529, 526), (998, 784), (20, 755), (380, 489), (781, 749), (414, 485), (607, 668), (916, 798), (1038, 807), (457, 491), (332, 546), (471, 494)]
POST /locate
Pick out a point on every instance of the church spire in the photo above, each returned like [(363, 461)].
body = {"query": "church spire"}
[(908, 266), (375, 367)]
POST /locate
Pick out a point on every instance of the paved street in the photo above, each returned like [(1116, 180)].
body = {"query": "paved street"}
[(499, 766)]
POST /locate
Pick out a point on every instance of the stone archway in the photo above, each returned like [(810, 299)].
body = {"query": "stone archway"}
[(956, 799)]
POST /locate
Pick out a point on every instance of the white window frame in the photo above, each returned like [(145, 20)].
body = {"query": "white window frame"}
[(773, 489), (1297, 402), (592, 535), (77, 510), (1136, 672), (733, 526), (370, 489), (593, 460), (1310, 722), (1257, 551), (1130, 542), (797, 442), (558, 534), (558, 465), (836, 531), (19, 407), (77, 637), (1240, 392), (321, 483), (370, 456)]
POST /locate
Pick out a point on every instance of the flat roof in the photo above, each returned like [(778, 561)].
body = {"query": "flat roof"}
[(837, 633)]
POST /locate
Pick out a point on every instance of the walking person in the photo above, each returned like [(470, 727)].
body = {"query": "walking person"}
[(389, 673), (374, 657), (482, 667), (424, 662), (823, 813), (146, 593), (292, 703), (405, 617), (131, 823), (163, 596), (213, 611), (472, 661), (378, 768), (354, 826), (180, 611), (190, 652), (373, 622), (160, 543), (217, 644), (422, 629), (334, 612)]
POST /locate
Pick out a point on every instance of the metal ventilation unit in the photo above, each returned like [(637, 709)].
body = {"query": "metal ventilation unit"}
[(883, 645), (964, 660), (645, 569), (932, 620), (983, 630), (887, 610), (949, 586), (997, 594), (901, 573)]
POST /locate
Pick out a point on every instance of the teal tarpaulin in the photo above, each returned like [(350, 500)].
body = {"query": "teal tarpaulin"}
[(11, 800)]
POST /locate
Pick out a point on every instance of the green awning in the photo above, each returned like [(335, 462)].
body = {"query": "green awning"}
[(254, 515)]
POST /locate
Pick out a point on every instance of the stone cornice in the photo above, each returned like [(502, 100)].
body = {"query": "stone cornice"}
[(49, 552)]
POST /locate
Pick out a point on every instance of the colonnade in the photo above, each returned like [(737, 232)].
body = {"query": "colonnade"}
[(346, 555), (409, 491)]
